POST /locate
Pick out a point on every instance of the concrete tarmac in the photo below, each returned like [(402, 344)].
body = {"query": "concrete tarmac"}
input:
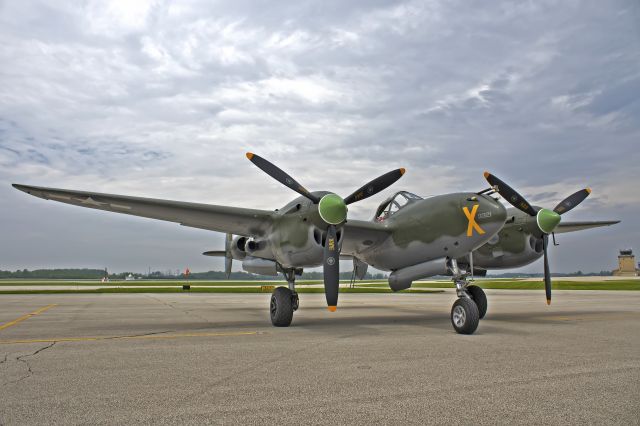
[(381, 358)]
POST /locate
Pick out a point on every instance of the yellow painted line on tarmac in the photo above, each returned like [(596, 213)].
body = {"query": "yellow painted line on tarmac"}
[(143, 337), (26, 317)]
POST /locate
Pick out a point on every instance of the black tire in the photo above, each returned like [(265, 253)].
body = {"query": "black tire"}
[(478, 296), (464, 316), (281, 307)]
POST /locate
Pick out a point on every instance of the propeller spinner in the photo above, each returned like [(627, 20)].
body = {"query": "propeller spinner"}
[(546, 220), (333, 211)]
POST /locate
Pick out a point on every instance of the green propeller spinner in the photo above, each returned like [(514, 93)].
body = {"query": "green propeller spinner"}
[(547, 220), (332, 209)]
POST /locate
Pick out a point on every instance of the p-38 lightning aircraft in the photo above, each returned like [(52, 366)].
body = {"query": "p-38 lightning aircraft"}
[(410, 236)]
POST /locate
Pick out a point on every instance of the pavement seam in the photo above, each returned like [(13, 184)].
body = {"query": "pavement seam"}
[(154, 335), (185, 312), (133, 336)]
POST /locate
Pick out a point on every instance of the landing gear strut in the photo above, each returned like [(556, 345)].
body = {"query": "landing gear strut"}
[(284, 301), (471, 305)]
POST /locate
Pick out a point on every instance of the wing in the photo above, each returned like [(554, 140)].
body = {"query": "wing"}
[(359, 235), (232, 220), (579, 226)]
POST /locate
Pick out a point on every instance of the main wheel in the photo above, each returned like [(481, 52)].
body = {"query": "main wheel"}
[(478, 296), (464, 316), (281, 307)]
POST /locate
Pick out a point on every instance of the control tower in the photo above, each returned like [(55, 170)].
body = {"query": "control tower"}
[(626, 264)]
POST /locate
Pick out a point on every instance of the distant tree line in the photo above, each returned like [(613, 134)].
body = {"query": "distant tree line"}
[(81, 274), (75, 274), (88, 274)]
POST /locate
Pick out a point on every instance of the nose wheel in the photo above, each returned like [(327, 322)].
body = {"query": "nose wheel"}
[(281, 307), (284, 301), (465, 316), (478, 296)]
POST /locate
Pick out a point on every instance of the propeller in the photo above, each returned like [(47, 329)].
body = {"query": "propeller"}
[(571, 201), (546, 220), (279, 175), (333, 211), (509, 194), (331, 268), (228, 259), (547, 272)]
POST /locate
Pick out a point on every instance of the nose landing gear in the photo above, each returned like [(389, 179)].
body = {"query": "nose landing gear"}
[(471, 305), (284, 301)]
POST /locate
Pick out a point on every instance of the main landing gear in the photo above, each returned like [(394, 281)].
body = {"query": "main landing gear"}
[(471, 305), (284, 301)]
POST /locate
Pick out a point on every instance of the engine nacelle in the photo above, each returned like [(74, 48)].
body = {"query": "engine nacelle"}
[(251, 246), (259, 266), (512, 248), (402, 279), (237, 248)]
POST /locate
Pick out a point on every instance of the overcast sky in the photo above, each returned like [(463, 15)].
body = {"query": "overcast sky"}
[(163, 99)]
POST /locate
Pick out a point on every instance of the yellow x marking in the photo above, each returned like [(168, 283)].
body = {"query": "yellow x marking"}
[(471, 215)]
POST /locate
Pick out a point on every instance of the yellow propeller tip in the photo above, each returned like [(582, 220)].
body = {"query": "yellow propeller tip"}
[(588, 190), (332, 308), (402, 171), (548, 301), (486, 174), (249, 155)]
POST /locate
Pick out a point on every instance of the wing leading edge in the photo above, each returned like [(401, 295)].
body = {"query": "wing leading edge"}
[(235, 220), (581, 225)]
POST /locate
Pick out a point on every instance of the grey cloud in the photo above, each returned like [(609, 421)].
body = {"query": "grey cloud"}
[(164, 101)]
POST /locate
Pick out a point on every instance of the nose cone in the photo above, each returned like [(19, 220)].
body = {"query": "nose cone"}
[(332, 209), (547, 220)]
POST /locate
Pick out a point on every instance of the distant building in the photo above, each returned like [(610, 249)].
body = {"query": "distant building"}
[(626, 264)]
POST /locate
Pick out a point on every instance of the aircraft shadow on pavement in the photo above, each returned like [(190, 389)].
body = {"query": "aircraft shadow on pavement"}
[(375, 323)]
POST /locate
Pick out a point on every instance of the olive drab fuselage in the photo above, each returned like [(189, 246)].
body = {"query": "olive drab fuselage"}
[(444, 226)]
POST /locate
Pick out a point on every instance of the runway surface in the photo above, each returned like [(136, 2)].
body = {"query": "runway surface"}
[(381, 358)]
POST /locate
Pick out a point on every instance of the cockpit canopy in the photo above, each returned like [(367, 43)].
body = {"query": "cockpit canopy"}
[(395, 203)]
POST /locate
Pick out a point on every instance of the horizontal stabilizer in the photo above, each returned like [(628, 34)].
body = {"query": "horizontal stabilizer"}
[(216, 253)]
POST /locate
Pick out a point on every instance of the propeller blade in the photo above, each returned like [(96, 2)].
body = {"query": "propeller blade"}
[(331, 268), (547, 273), (378, 184), (279, 175), (228, 260), (572, 200), (510, 194)]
